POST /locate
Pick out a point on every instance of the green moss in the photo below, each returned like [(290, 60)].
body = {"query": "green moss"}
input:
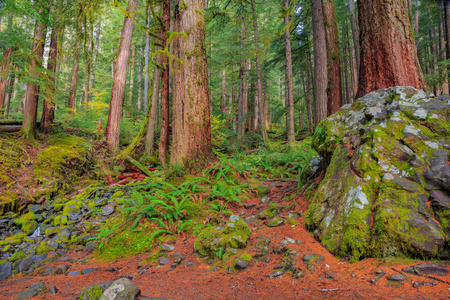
[(291, 221), (8, 201), (91, 293), (16, 256), (246, 257), (269, 212), (27, 222), (43, 248)]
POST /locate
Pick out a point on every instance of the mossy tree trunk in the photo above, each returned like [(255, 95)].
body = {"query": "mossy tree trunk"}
[(151, 125), (130, 93), (289, 76), (4, 79), (32, 93), (388, 55), (115, 108), (334, 88), (191, 137), (165, 117), (74, 81), (320, 62)]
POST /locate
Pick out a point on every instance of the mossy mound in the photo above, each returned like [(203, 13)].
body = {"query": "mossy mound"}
[(223, 242), (63, 162), (386, 190)]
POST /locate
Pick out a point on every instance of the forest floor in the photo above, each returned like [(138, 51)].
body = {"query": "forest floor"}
[(326, 278)]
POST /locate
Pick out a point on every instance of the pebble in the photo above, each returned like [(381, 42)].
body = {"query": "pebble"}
[(396, 277), (87, 271), (73, 273), (275, 274), (107, 210), (265, 200), (164, 261), (308, 257), (329, 275), (240, 265), (53, 290), (167, 247)]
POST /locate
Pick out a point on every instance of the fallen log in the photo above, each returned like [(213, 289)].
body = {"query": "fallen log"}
[(10, 122), (4, 128)]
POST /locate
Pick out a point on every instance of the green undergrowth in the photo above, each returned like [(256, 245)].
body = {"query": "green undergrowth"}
[(170, 207)]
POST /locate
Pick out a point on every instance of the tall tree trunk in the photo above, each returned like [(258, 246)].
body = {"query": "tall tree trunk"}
[(224, 91), (48, 110), (165, 108), (347, 71), (241, 82), (10, 92), (355, 32), (334, 89), (4, 68), (245, 96), (289, 76), (442, 52), (434, 58), (147, 62), (191, 137), (308, 94), (151, 125), (32, 94), (87, 73), (262, 113), (130, 95), (74, 81), (447, 26), (94, 60), (388, 56), (115, 108), (416, 16), (141, 70), (320, 62)]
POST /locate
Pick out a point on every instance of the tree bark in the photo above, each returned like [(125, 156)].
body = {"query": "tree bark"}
[(4, 79), (147, 62), (87, 73), (151, 125), (308, 96), (224, 92), (447, 26), (75, 68), (48, 110), (388, 56), (115, 108), (130, 95), (240, 123), (94, 60), (141, 70), (10, 92), (262, 114), (289, 76), (334, 89), (32, 94), (191, 137), (355, 32), (320, 62), (442, 50), (165, 107)]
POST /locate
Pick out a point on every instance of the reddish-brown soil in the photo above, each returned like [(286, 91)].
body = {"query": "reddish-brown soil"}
[(201, 282)]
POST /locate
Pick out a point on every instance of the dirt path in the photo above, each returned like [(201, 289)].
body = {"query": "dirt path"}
[(203, 281)]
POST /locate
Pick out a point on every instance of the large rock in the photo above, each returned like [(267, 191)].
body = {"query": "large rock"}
[(36, 289), (94, 291), (386, 188), (5, 270), (121, 289)]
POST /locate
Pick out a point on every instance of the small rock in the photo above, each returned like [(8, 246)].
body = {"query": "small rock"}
[(71, 273), (373, 281), (353, 275), (380, 272), (299, 242), (329, 275), (275, 222), (37, 288), (416, 285), (249, 205), (62, 269), (289, 240), (234, 218), (164, 261), (107, 210), (167, 247), (396, 277), (112, 269), (53, 290), (308, 257), (87, 271), (265, 200), (188, 263), (121, 288), (48, 271), (276, 274), (241, 265)]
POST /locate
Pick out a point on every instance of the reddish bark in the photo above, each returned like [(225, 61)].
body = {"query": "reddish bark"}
[(4, 79), (388, 55)]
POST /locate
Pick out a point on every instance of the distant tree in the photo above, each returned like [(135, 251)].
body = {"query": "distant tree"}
[(388, 55), (289, 76), (115, 108)]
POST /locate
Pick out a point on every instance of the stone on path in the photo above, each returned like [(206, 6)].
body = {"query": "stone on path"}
[(122, 289), (37, 288), (426, 268)]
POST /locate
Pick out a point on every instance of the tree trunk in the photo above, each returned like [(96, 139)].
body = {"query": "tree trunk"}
[(224, 91), (10, 92), (289, 76), (87, 73), (115, 108), (417, 23), (130, 95), (388, 56), (320, 62), (147, 62), (74, 81), (165, 117), (347, 72), (48, 110), (334, 89), (355, 32), (447, 26), (442, 52), (191, 137), (4, 79), (262, 114), (151, 125), (141, 70), (240, 123), (32, 94), (94, 60), (308, 97)]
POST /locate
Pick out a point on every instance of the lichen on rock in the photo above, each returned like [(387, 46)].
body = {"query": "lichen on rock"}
[(387, 159)]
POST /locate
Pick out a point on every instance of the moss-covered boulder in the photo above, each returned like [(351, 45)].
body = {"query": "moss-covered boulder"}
[(223, 242), (387, 184), (27, 222)]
